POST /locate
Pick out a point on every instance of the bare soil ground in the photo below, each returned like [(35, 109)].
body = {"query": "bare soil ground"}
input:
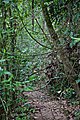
[(48, 108)]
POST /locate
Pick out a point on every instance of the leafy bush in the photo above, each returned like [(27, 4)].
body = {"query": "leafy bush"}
[(77, 114), (69, 93)]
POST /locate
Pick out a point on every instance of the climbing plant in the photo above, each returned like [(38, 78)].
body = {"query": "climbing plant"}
[(39, 40)]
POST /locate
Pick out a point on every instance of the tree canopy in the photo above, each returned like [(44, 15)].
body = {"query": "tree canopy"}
[(39, 41)]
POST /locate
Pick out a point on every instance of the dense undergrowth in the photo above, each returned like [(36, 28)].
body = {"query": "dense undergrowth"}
[(20, 108), (39, 49)]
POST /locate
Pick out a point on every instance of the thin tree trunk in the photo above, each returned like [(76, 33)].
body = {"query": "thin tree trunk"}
[(13, 44), (32, 15), (4, 48)]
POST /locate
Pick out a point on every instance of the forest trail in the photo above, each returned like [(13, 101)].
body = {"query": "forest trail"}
[(47, 108)]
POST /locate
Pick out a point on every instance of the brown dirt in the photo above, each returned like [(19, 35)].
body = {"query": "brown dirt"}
[(47, 108)]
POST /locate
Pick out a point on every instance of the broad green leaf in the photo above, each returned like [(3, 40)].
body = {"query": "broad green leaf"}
[(29, 88), (7, 73), (6, 1), (2, 60), (25, 82), (4, 51), (10, 78), (17, 84), (6, 81), (33, 77), (74, 41), (2, 72), (78, 81)]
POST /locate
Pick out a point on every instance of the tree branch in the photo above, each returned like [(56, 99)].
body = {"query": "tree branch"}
[(29, 32)]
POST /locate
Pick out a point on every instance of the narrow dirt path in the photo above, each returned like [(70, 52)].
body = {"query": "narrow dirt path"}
[(45, 108)]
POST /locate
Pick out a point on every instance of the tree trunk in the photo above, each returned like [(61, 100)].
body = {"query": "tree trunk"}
[(32, 15), (62, 55), (13, 44)]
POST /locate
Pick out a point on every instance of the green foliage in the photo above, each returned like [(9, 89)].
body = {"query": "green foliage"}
[(77, 114), (10, 89), (23, 52), (6, 88), (74, 41), (78, 81), (69, 93)]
